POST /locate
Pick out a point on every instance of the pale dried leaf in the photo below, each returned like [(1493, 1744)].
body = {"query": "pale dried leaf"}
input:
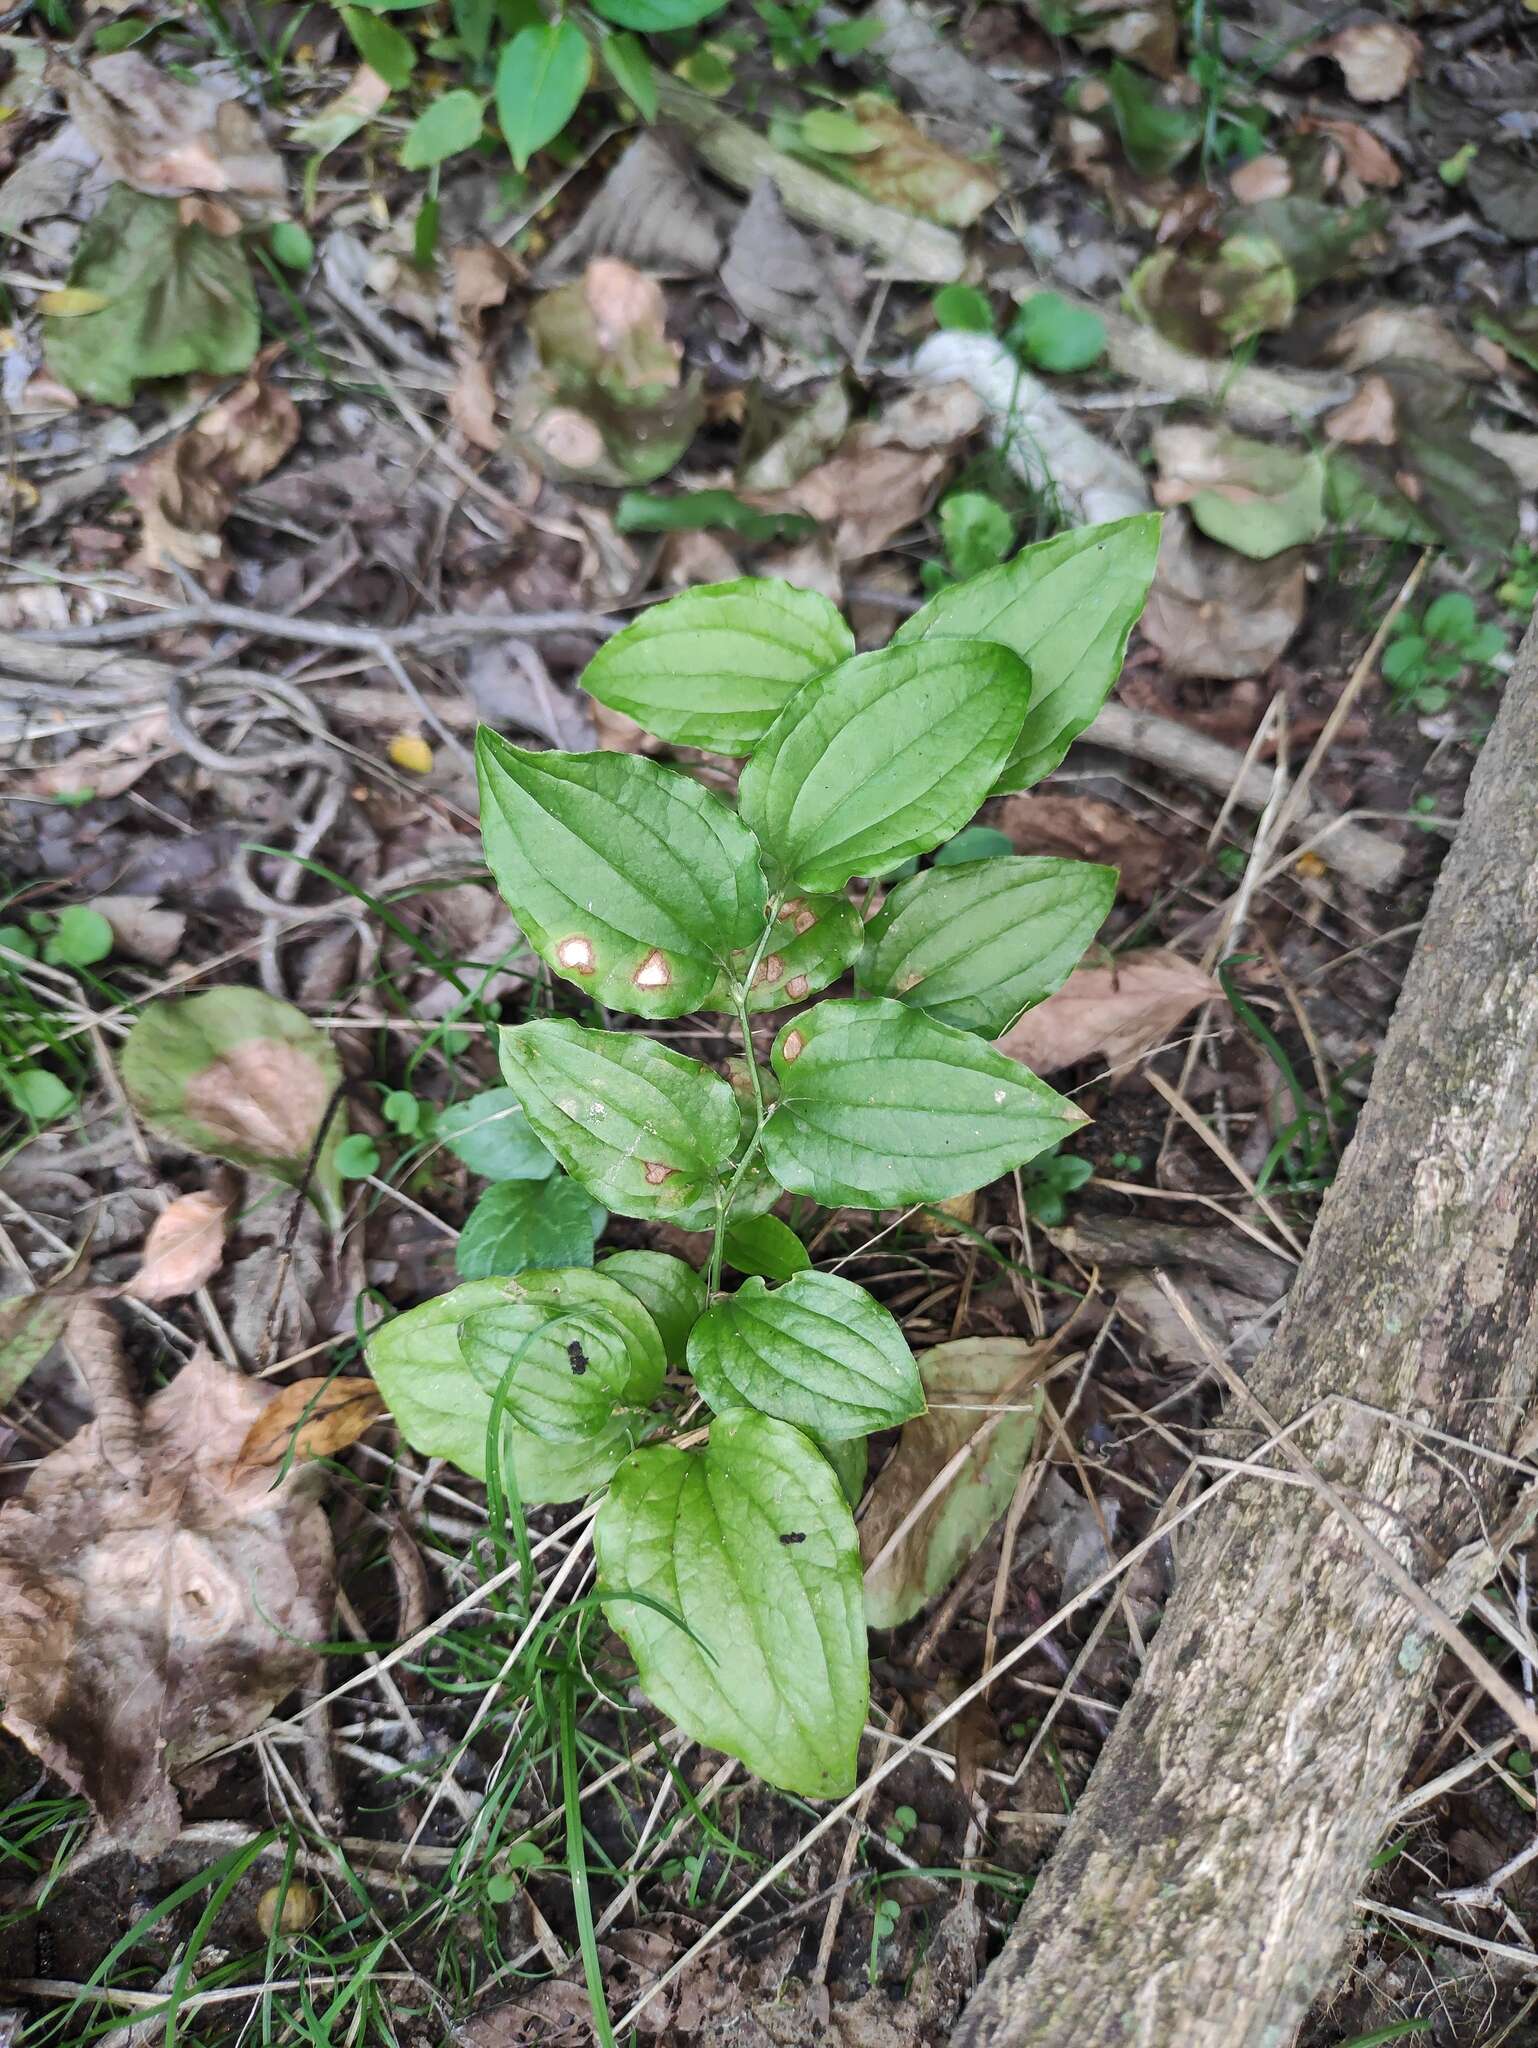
[(1404, 334), (311, 1419), (161, 135), (1377, 59), (910, 171), (141, 930), (107, 770), (649, 211), (1122, 1012), (153, 1604), (1263, 177), (1215, 614), (187, 490), (183, 1249), (483, 277), (1088, 828), (1367, 417), (1366, 158), (783, 282)]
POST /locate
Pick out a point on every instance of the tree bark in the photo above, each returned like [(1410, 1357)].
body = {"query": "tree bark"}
[(1204, 1888)]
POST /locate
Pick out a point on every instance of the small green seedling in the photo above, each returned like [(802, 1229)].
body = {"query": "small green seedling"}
[(1049, 1182), (1127, 1162), (897, 1830), (976, 533), (732, 1567), (1518, 591), (1425, 658), (883, 1926)]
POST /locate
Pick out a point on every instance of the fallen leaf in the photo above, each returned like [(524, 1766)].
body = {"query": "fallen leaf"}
[(1122, 1012), (242, 1076), (1215, 614), (186, 491), (1457, 483), (311, 1419), (1367, 417), (1145, 34), (984, 1404), (1252, 496), (1405, 334), (1209, 301), (649, 211), (1088, 828), (155, 1604), (1365, 156), (107, 770), (30, 1326), (781, 281), (353, 108), (162, 135), (907, 170), (1263, 177), (1377, 59), (483, 277), (183, 1250)]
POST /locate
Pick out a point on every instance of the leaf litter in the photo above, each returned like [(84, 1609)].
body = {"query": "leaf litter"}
[(1318, 368)]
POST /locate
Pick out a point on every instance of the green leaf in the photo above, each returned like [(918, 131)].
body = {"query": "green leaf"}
[(975, 945), (357, 1157), (883, 757), (383, 48), (976, 531), (541, 75), (766, 1247), (491, 1134), (965, 1383), (715, 666), (522, 1223), (814, 939), (669, 1289), (1450, 617), (835, 133), (30, 1326), (1067, 607), (445, 1412), (975, 842), (37, 1093), (568, 1375), (80, 938), (1155, 134), (881, 1106), (648, 1132), (629, 878), (703, 511), (179, 299), (851, 1461), (964, 308), (656, 17), (628, 65), (1055, 335), (750, 1543), (291, 245), (818, 1352), (242, 1076), (446, 128)]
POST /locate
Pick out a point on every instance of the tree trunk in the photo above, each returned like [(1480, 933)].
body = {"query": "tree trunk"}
[(1204, 1889)]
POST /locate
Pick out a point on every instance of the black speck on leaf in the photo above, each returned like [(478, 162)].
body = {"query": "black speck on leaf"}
[(577, 1356), (794, 1536)]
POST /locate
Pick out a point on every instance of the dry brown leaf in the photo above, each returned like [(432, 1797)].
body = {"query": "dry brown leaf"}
[(155, 1604), (483, 277), (183, 1249), (163, 136), (1122, 1012), (186, 491), (1146, 35), (1216, 614), (1404, 334), (1087, 828), (1365, 156), (311, 1419), (1377, 59), (141, 930), (907, 170), (1367, 417), (110, 769), (1263, 177)]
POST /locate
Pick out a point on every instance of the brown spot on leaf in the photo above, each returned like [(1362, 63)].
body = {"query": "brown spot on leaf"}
[(657, 1173), (653, 972), (264, 1095), (804, 921), (797, 987), (793, 1047), (768, 971), (576, 954)]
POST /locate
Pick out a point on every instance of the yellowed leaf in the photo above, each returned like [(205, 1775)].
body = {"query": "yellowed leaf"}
[(410, 751), (311, 1419), (1122, 1012), (183, 1249), (907, 170), (71, 302)]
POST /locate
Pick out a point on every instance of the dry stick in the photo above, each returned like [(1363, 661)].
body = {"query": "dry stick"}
[(1206, 1885), (1214, 1143)]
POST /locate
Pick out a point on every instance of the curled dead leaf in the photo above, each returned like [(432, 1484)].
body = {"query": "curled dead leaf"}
[(162, 135), (1088, 828), (1366, 158), (483, 277), (311, 1419), (1216, 614), (1377, 59), (186, 491), (1367, 417), (1123, 1012), (183, 1249)]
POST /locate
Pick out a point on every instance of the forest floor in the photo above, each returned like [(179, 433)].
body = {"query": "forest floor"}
[(901, 292)]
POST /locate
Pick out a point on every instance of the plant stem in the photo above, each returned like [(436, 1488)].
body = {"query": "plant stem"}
[(740, 991)]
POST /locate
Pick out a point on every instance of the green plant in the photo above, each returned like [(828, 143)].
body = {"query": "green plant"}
[(1049, 1181), (732, 1568), (1518, 590), (976, 532), (1425, 657), (1051, 333)]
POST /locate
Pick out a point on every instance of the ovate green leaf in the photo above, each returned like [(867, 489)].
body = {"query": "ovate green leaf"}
[(178, 299), (648, 1132), (883, 757), (750, 1543), (656, 17), (629, 878), (765, 1246), (522, 1223), (627, 63), (491, 1134), (669, 1289), (814, 938), (976, 944), (30, 1326), (565, 1375), (382, 47), (984, 1399), (881, 1106), (714, 666), (541, 75), (819, 1352), (242, 1076), (446, 128), (1066, 606)]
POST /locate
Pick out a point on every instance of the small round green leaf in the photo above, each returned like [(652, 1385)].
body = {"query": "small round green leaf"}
[(766, 1247), (541, 75), (836, 133), (714, 666), (493, 1137), (818, 1352), (357, 1157), (1056, 335), (446, 128), (522, 1223), (964, 308), (81, 937), (751, 1545)]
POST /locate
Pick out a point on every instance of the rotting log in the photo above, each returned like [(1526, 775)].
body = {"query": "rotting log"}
[(1204, 1890)]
